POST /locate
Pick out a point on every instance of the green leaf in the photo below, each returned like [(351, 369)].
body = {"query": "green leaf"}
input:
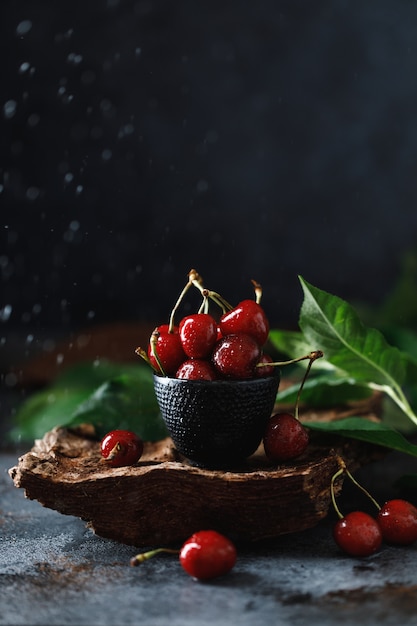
[(365, 430), (334, 327), (294, 344), (406, 341), (362, 353), (43, 410), (105, 394), (90, 375), (126, 402), (325, 390)]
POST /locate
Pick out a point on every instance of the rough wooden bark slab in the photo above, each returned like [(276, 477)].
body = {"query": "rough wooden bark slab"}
[(163, 499)]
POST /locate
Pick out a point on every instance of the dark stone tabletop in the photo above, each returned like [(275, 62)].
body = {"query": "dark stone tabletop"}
[(55, 571)]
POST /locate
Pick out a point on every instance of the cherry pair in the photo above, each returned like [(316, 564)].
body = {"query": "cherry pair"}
[(205, 555), (359, 534)]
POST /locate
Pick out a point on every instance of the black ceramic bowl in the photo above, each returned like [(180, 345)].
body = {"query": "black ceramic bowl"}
[(216, 423)]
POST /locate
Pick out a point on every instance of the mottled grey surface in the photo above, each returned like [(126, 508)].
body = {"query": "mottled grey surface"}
[(54, 571)]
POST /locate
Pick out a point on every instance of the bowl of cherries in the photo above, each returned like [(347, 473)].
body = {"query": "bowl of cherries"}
[(214, 381)]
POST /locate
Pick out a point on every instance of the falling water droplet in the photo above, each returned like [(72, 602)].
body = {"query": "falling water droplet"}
[(24, 67), (6, 312), (74, 59), (9, 109), (106, 155), (32, 193), (23, 27), (33, 120)]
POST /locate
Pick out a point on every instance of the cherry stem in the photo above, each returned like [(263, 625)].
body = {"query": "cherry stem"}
[(153, 341), (361, 487), (114, 451), (344, 470), (334, 477), (144, 556), (204, 307), (196, 280), (258, 291), (316, 354), (312, 356), (177, 304), (144, 355)]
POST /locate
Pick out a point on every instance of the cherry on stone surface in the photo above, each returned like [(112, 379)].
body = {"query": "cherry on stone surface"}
[(285, 437), (398, 522), (196, 369), (121, 447), (247, 317), (358, 534), (207, 554), (235, 356), (168, 348), (198, 333)]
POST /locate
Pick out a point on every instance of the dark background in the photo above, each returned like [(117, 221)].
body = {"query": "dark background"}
[(141, 138)]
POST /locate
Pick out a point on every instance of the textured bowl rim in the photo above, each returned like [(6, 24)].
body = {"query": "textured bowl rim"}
[(169, 380)]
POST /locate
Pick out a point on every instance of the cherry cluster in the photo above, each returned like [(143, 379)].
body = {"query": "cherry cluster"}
[(360, 534), (231, 347), (202, 347), (205, 555)]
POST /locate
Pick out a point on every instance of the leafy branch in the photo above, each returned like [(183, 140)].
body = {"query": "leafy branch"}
[(352, 348), (357, 360)]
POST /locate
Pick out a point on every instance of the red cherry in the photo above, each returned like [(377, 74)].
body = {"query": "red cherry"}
[(285, 437), (198, 335), (196, 369), (169, 350), (398, 522), (121, 447), (247, 317), (235, 356), (358, 534), (265, 370), (207, 554)]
